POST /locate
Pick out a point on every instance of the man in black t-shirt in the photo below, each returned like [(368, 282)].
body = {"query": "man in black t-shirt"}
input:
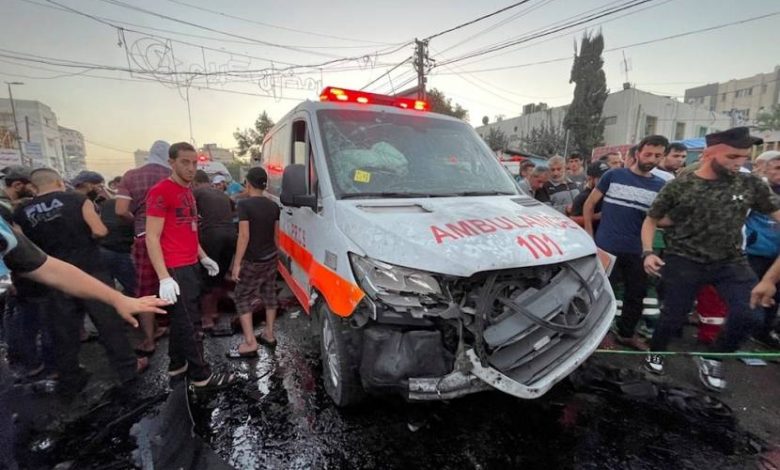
[(217, 235), (254, 266), (64, 225)]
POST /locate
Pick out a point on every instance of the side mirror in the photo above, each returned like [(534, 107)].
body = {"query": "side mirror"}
[(294, 188)]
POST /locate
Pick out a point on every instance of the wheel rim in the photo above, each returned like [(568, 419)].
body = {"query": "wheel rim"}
[(331, 353)]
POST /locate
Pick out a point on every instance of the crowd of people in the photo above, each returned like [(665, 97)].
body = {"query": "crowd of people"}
[(710, 228), (164, 233)]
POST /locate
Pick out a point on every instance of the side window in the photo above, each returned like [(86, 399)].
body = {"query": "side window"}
[(277, 156), (302, 154)]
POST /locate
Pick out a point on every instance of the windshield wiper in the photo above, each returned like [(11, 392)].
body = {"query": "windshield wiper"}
[(388, 194), (486, 193)]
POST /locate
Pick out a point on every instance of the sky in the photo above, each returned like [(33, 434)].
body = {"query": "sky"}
[(245, 46)]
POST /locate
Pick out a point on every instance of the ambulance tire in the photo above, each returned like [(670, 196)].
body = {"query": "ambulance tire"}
[(340, 350)]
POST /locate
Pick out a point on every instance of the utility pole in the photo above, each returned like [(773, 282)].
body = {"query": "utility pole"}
[(16, 125), (420, 64)]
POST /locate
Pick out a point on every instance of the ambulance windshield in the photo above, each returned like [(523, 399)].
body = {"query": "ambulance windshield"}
[(386, 154)]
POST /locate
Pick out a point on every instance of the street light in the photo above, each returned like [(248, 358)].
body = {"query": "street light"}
[(16, 124)]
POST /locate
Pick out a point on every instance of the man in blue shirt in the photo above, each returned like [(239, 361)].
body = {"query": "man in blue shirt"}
[(627, 194)]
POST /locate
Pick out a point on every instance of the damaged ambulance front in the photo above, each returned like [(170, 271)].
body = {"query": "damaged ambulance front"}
[(469, 284)]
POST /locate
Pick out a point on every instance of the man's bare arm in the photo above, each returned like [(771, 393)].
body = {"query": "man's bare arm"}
[(154, 228), (589, 209)]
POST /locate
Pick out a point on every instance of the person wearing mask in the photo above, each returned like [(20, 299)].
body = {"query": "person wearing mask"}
[(595, 171), (27, 261), (254, 268), (535, 184), (561, 189), (65, 225), (671, 162), (627, 193), (706, 211), (574, 169), (115, 248), (172, 243), (217, 233), (762, 246), (131, 205)]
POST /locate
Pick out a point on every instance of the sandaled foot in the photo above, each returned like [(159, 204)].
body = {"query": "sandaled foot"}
[(265, 341), (236, 353), (217, 381)]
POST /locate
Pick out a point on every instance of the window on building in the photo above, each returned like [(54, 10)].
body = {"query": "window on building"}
[(702, 131), (515, 128), (679, 131), (723, 97), (610, 120), (651, 122), (764, 88), (750, 91)]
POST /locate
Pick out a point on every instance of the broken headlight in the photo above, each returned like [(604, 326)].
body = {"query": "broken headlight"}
[(393, 284)]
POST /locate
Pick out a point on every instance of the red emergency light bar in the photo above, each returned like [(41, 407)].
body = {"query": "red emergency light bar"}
[(362, 97)]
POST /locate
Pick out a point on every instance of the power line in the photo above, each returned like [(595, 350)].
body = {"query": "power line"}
[(108, 147), (553, 30), (284, 28), (483, 17), (386, 73), (627, 46)]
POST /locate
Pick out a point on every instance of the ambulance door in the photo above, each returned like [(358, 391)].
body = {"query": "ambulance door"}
[(303, 227)]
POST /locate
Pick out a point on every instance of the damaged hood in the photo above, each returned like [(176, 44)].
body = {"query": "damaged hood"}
[(460, 236)]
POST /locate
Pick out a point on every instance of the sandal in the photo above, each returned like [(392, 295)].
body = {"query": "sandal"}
[(265, 342), (234, 353), (217, 381)]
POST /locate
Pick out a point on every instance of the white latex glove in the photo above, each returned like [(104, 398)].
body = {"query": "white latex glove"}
[(212, 268), (169, 290)]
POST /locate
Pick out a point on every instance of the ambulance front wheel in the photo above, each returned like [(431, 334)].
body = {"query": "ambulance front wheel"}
[(340, 349)]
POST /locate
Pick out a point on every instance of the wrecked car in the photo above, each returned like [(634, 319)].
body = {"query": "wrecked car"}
[(423, 268)]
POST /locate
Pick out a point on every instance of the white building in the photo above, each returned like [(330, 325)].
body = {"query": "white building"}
[(629, 115), (217, 154), (38, 130), (743, 98), (74, 150)]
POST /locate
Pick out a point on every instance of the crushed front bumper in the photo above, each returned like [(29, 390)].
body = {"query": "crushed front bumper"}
[(527, 359)]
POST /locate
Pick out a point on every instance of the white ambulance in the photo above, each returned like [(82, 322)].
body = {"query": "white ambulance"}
[(424, 270)]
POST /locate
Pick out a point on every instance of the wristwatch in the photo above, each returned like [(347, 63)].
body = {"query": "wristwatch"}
[(647, 253)]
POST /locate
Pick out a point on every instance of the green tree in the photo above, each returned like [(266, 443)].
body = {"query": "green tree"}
[(443, 105), (583, 118), (250, 140), (485, 120), (769, 121), (546, 140), (496, 139)]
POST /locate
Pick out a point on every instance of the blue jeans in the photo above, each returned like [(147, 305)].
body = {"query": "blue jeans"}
[(682, 280), (120, 268)]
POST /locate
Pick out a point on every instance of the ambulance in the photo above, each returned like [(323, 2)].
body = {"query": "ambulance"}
[(422, 267)]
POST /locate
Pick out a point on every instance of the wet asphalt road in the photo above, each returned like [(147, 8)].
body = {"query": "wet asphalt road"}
[(280, 417)]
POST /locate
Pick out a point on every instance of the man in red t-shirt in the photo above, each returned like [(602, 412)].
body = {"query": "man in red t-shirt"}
[(172, 243)]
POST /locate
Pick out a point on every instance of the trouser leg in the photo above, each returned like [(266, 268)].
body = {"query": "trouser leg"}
[(682, 279), (186, 332), (734, 281), (635, 288)]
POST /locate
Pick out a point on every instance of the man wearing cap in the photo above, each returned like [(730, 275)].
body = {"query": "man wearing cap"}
[(707, 209), (16, 186), (219, 183), (759, 165), (89, 183), (131, 204)]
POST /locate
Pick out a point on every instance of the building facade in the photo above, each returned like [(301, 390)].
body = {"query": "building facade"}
[(39, 132), (217, 154), (743, 98), (74, 151), (629, 115)]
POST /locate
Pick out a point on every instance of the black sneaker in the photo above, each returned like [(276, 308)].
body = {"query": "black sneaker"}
[(770, 340), (711, 373), (654, 364)]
